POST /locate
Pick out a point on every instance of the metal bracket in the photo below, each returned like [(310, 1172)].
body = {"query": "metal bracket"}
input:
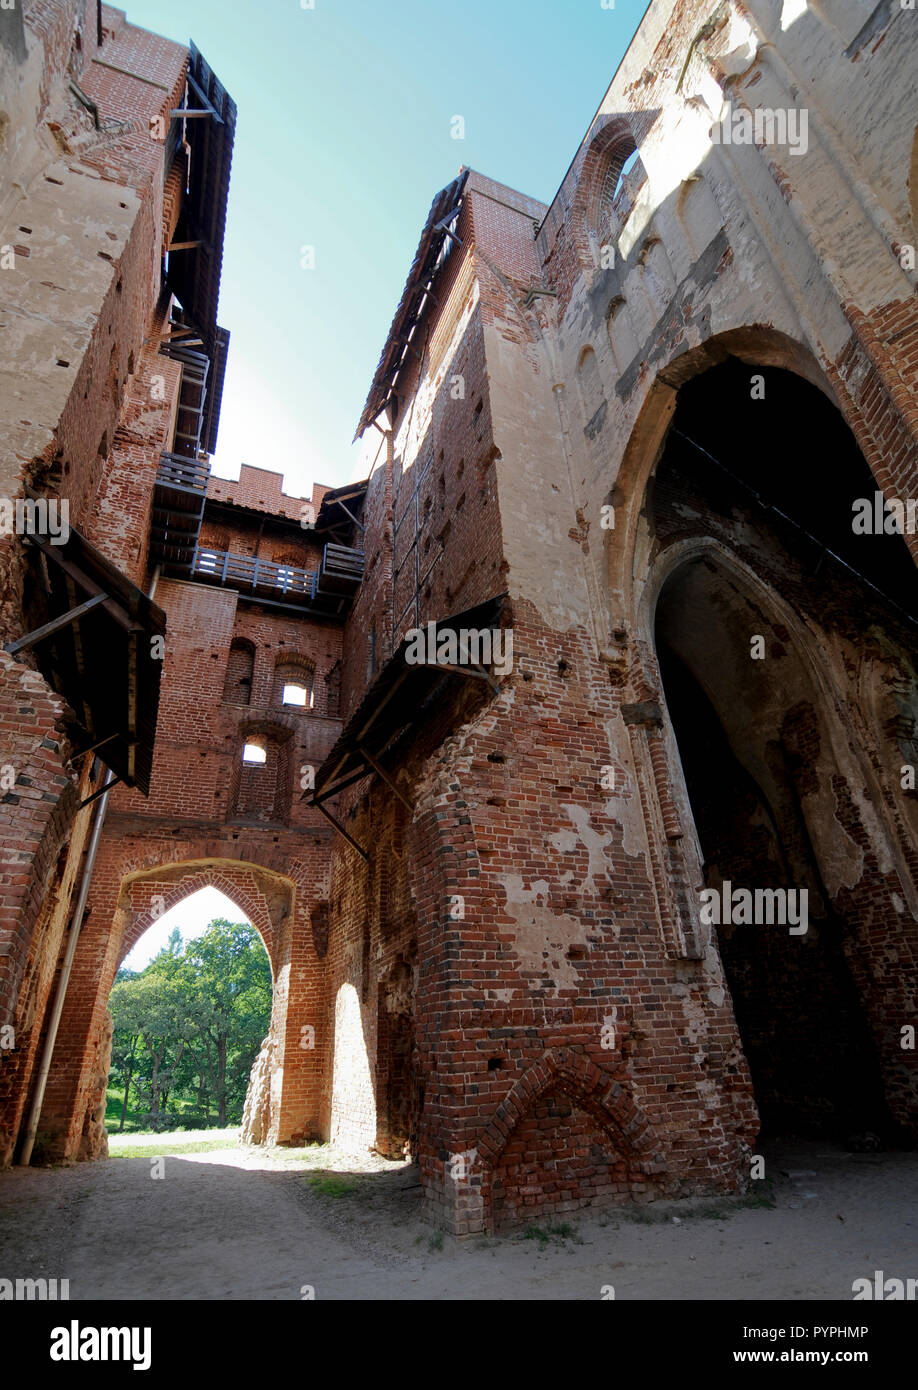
[(107, 786), (381, 772), (202, 96)]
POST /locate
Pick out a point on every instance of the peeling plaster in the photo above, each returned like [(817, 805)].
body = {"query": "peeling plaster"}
[(543, 937), (594, 844)]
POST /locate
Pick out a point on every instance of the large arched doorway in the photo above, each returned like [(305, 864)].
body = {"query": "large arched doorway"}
[(289, 1065), (191, 1009), (772, 609)]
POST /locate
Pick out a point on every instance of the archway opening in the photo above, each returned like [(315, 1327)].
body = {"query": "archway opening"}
[(191, 1006), (747, 756), (757, 483), (765, 444), (399, 1089)]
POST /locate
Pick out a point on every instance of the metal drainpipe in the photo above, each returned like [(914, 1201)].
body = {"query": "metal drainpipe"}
[(58, 1009)]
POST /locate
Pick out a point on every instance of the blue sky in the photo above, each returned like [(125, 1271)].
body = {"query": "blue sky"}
[(192, 916), (343, 139)]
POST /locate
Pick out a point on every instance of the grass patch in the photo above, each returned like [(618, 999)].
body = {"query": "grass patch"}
[(714, 1210), (645, 1216), (169, 1147), (720, 1211), (563, 1230), (558, 1231), (436, 1241), (760, 1199), (331, 1185)]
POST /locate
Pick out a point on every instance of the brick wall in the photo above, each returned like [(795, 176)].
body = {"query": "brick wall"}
[(578, 903), (212, 819)]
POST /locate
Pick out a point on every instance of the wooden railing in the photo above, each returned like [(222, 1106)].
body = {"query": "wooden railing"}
[(249, 572)]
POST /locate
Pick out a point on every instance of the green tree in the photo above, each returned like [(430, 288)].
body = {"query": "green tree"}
[(230, 1009), (190, 1025), (126, 1037), (153, 1008)]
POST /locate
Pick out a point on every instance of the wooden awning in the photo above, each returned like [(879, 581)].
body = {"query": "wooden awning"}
[(194, 271), (427, 259), (93, 634), (398, 702)]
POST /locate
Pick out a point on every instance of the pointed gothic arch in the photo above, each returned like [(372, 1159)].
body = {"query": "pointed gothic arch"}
[(593, 1089)]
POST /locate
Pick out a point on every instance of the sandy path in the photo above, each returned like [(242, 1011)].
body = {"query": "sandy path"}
[(238, 1224)]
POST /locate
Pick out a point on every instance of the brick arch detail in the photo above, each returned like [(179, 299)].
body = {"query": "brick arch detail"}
[(276, 735), (756, 345), (274, 889), (593, 1089), (228, 878), (291, 666), (611, 133), (887, 435)]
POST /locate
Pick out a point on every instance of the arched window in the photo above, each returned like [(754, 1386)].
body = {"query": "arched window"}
[(605, 219), (240, 667), (261, 778), (619, 165), (294, 680)]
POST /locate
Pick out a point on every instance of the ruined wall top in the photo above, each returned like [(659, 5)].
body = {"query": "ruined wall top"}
[(262, 490)]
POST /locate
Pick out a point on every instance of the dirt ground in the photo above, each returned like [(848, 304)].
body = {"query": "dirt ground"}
[(242, 1223)]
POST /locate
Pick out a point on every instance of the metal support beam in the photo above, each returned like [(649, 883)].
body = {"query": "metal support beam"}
[(474, 672), (352, 516), (341, 831), (122, 618), (202, 96), (102, 790), (93, 747), (443, 224), (328, 791)]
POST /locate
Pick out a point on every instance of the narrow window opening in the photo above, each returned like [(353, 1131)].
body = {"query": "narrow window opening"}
[(294, 694)]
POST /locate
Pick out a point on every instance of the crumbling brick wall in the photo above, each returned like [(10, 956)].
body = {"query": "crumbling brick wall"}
[(579, 894)]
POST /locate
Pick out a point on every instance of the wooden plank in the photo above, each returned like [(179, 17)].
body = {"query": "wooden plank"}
[(55, 625), (381, 771)]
